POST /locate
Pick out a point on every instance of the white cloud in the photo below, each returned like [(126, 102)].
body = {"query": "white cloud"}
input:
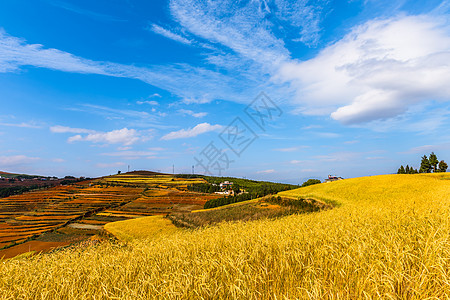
[(124, 148), (311, 127), (123, 136), (156, 149), (58, 160), (151, 102), (377, 71), (181, 79), (15, 53), (424, 149), (16, 160), (295, 162), (84, 12), (375, 157), (290, 149), (266, 171), (241, 29), (191, 113), (245, 27), (21, 125), (169, 34), (327, 134), (192, 132), (65, 129)]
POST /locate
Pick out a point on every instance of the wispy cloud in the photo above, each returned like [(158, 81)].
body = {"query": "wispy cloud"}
[(295, 162), (425, 149), (245, 27), (266, 171), (168, 34), (81, 11), (65, 129), (16, 160), (291, 149), (327, 134), (151, 102), (192, 132), (311, 127), (132, 155), (191, 113), (181, 79), (22, 125)]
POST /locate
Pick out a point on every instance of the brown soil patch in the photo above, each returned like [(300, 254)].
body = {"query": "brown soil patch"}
[(31, 246)]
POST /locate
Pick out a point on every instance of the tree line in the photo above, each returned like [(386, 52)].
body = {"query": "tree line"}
[(251, 193), (427, 165), (203, 188), (17, 190)]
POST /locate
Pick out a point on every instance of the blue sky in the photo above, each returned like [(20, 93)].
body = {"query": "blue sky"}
[(90, 87)]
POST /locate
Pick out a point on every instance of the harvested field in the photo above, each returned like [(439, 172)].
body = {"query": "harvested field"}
[(85, 226), (35, 246), (30, 214), (81, 209)]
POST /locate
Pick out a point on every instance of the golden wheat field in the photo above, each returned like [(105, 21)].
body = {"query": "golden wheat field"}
[(388, 237)]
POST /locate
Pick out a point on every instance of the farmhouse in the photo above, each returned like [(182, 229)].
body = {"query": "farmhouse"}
[(227, 192), (226, 185), (332, 178)]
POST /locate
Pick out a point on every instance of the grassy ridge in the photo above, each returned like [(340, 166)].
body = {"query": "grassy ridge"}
[(250, 210), (389, 238)]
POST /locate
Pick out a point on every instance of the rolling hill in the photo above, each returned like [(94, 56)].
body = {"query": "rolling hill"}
[(386, 237)]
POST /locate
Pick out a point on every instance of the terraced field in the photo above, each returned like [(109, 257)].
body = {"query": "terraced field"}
[(67, 214), (29, 215), (151, 180)]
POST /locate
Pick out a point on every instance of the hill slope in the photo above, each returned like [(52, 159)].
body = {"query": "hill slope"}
[(389, 237)]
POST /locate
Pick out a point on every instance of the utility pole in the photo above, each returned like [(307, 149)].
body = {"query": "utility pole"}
[(193, 170), (173, 169), (128, 168)]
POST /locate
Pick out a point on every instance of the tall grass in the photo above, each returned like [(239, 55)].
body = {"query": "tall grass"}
[(141, 228), (388, 238)]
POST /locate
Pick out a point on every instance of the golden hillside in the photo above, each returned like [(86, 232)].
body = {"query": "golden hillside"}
[(387, 237)]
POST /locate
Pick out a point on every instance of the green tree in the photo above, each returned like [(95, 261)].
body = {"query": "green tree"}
[(236, 188), (433, 161), (443, 166), (401, 170), (407, 170), (310, 182), (425, 166)]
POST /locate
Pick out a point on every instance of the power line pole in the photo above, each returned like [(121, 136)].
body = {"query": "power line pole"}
[(173, 169)]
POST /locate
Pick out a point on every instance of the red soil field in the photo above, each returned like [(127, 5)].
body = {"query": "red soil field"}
[(31, 246), (92, 202)]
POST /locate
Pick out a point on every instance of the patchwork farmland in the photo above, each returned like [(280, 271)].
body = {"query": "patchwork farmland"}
[(63, 215)]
